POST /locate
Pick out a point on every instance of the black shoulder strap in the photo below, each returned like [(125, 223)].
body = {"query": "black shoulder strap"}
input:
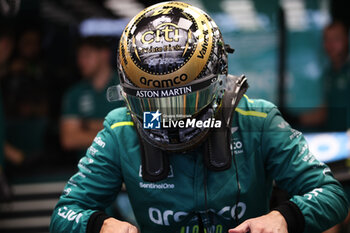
[(155, 162), (217, 151)]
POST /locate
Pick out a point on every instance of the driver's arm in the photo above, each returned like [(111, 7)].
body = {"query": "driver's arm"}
[(317, 200), (93, 188)]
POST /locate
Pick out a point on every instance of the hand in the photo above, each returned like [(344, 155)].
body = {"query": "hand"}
[(95, 125), (112, 225), (273, 222), (14, 155)]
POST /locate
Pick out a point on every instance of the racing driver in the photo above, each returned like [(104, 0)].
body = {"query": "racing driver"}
[(194, 152)]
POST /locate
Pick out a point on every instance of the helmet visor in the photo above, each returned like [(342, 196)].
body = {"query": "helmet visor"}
[(174, 103)]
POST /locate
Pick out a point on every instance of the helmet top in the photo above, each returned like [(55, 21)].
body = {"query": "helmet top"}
[(169, 45)]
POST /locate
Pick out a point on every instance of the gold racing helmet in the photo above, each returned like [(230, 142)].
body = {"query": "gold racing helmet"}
[(171, 59)]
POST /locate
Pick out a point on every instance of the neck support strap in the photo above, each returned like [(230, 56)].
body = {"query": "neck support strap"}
[(216, 146)]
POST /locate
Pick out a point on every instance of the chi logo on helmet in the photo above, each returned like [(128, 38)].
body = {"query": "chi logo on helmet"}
[(169, 30), (151, 120), (169, 45)]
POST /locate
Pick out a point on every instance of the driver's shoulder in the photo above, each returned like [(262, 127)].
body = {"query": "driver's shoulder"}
[(253, 112), (119, 117)]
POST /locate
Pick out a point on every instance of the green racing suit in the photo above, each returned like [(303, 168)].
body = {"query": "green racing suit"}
[(266, 149)]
